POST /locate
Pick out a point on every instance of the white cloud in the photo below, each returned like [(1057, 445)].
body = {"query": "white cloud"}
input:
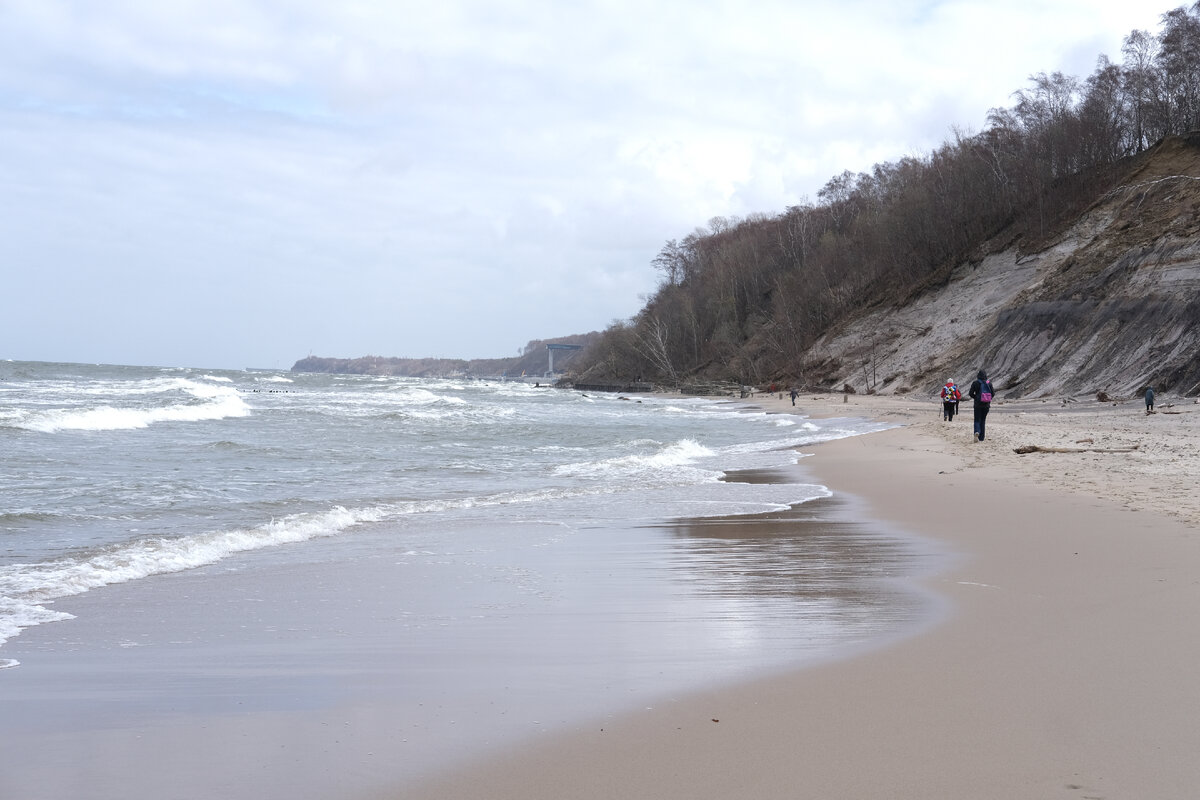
[(240, 183)]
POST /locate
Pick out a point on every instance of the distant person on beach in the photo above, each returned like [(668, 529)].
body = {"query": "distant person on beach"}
[(981, 393), (1149, 399), (950, 397), (795, 394)]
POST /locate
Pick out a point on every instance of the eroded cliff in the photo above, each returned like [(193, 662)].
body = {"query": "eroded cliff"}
[(1110, 303)]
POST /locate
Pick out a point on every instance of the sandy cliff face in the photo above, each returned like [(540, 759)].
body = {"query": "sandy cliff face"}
[(1111, 304)]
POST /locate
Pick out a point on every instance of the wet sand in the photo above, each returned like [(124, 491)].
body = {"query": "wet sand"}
[(1064, 670)]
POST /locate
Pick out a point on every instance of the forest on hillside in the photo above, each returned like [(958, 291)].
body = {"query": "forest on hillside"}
[(743, 299)]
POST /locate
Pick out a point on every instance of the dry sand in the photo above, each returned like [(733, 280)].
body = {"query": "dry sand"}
[(1065, 670)]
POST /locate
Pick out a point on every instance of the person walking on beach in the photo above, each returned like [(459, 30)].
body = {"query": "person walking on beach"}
[(795, 394), (981, 393), (1149, 399), (950, 397)]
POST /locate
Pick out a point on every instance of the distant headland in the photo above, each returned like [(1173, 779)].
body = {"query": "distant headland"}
[(538, 358)]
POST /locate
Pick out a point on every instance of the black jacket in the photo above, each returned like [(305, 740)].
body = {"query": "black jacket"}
[(976, 389)]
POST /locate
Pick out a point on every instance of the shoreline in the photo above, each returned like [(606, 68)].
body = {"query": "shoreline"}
[(1064, 667), (1057, 659), (338, 669)]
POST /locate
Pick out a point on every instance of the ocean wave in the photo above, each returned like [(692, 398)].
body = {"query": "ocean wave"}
[(485, 501), (423, 397), (802, 434), (517, 389), (16, 615), (215, 402), (734, 499), (111, 388), (108, 418), (405, 402), (402, 455), (667, 459), (24, 588)]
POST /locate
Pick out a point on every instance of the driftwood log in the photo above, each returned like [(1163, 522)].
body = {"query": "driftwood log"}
[(1033, 448)]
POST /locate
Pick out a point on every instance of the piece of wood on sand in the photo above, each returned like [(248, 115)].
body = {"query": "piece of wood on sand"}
[(1033, 448)]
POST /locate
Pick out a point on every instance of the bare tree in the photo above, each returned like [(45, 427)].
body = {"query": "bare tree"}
[(653, 337), (1141, 86), (738, 296), (671, 262), (1178, 62)]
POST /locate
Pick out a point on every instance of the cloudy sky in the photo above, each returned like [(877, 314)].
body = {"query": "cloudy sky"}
[(233, 183)]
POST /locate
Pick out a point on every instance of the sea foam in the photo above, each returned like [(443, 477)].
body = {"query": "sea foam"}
[(25, 587), (209, 403), (662, 463)]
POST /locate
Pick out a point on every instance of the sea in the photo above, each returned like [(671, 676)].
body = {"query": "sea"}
[(482, 506)]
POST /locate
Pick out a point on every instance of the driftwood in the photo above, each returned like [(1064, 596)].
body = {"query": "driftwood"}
[(1033, 448)]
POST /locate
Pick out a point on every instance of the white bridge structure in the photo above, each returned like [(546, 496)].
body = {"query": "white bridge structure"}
[(552, 347)]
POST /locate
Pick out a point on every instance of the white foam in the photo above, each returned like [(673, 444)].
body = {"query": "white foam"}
[(658, 502), (16, 614), (219, 402), (424, 397), (408, 401), (670, 459), (517, 389), (125, 388), (24, 587)]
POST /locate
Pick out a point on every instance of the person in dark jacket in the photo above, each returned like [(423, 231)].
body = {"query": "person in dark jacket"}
[(981, 393), (1149, 399)]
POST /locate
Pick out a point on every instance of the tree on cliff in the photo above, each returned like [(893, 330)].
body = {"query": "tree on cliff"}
[(744, 299)]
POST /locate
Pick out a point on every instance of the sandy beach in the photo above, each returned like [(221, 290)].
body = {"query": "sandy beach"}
[(1050, 651), (1065, 667)]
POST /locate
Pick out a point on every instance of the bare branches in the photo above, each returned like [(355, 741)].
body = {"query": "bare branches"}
[(744, 296), (653, 336)]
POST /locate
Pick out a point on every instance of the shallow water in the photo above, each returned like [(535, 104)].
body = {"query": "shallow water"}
[(448, 565), (117, 474)]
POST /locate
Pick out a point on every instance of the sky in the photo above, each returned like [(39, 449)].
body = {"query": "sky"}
[(243, 183)]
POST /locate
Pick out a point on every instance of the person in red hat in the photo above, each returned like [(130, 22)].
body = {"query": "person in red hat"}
[(950, 397)]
